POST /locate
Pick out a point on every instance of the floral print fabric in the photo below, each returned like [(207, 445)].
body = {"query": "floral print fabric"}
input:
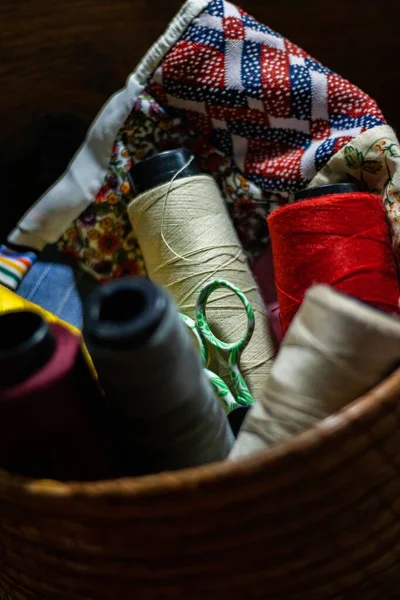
[(102, 239)]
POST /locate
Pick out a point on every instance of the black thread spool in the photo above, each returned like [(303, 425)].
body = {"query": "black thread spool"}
[(166, 413)]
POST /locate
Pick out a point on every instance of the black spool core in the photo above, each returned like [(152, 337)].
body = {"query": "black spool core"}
[(162, 168), (323, 190), (26, 344), (124, 314)]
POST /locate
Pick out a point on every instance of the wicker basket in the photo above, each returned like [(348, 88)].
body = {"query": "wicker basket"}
[(312, 519)]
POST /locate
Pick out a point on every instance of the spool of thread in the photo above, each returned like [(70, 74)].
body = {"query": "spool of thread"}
[(335, 350), (188, 239), (50, 405), (341, 239), (164, 408)]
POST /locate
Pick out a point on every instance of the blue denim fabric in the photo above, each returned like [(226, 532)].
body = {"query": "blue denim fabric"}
[(56, 285)]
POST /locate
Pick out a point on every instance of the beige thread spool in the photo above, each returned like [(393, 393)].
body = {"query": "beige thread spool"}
[(187, 239), (335, 350)]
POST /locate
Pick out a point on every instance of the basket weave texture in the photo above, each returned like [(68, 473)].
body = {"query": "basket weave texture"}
[(316, 518)]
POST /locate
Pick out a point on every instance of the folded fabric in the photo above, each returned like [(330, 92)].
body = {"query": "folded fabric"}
[(14, 265), (42, 150), (261, 115), (56, 284), (10, 301)]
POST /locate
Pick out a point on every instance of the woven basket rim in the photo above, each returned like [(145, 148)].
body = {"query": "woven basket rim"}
[(385, 394)]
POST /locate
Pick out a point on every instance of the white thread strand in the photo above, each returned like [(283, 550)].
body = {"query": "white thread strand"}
[(335, 350), (187, 239)]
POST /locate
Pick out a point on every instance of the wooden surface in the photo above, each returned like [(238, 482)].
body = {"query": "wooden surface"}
[(73, 54)]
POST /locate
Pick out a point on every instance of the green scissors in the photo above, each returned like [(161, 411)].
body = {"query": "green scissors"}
[(203, 333)]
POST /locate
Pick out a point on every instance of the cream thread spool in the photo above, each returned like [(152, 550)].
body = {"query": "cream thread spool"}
[(187, 239), (335, 350)]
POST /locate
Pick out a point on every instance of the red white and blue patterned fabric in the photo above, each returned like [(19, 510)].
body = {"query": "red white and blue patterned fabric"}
[(260, 98), (261, 115)]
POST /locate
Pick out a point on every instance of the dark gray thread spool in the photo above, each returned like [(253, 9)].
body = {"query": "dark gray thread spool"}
[(165, 411)]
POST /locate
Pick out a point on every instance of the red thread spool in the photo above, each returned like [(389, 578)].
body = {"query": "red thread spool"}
[(339, 239)]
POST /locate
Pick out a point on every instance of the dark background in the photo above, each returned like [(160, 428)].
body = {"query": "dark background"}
[(73, 54)]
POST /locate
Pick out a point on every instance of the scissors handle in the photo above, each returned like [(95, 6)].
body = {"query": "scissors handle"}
[(222, 390), (191, 325), (242, 392)]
